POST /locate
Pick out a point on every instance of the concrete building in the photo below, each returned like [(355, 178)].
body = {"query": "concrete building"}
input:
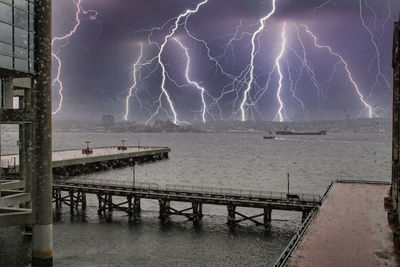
[(25, 85), (392, 201)]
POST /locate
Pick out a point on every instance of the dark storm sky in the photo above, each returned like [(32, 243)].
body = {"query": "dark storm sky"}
[(97, 61)]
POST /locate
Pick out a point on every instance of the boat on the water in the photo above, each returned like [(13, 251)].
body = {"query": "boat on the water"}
[(290, 132), (269, 137)]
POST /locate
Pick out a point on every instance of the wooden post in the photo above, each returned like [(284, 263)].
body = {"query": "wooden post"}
[(196, 212), (164, 210), (110, 203), (100, 204), (201, 210), (231, 214), (133, 173), (129, 199), (83, 201), (136, 206), (71, 201), (267, 217)]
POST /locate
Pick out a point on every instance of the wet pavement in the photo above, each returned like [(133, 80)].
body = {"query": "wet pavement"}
[(350, 229)]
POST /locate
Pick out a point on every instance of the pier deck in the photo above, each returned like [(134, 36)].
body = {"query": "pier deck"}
[(350, 229), (105, 190), (71, 160)]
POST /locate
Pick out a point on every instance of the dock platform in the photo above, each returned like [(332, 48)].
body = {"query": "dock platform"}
[(125, 196), (350, 229), (70, 162)]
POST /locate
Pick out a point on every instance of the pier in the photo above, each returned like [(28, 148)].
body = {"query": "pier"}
[(15, 193), (349, 229), (124, 196), (72, 162)]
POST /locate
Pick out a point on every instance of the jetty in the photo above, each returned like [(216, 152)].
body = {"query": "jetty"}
[(71, 162), (126, 196)]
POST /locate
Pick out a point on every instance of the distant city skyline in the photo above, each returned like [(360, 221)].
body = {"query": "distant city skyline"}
[(219, 63)]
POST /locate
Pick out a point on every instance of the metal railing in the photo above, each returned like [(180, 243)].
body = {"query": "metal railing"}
[(287, 253), (242, 193), (9, 163), (108, 183), (203, 190)]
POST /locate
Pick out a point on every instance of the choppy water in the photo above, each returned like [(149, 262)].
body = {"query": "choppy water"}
[(212, 159)]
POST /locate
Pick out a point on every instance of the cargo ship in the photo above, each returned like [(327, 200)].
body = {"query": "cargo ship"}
[(289, 132)]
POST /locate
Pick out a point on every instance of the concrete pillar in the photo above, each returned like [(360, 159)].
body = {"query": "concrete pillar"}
[(26, 143), (396, 124), (267, 217), (42, 237), (8, 88)]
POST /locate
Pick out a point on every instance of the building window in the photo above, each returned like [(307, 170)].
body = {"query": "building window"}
[(16, 35)]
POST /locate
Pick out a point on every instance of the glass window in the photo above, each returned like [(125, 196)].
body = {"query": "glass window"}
[(5, 13), (5, 48), (5, 62), (21, 64), (21, 52), (21, 18), (21, 37), (5, 33), (31, 66), (31, 41), (16, 41), (21, 3), (31, 22)]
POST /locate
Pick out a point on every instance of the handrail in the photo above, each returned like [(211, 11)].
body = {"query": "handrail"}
[(287, 252), (285, 255), (225, 192)]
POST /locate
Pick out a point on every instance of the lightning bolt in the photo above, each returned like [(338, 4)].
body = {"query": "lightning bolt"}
[(377, 52), (134, 83), (346, 67), (279, 113), (322, 5), (253, 53), (92, 16), (310, 71), (195, 84), (293, 87), (163, 69)]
